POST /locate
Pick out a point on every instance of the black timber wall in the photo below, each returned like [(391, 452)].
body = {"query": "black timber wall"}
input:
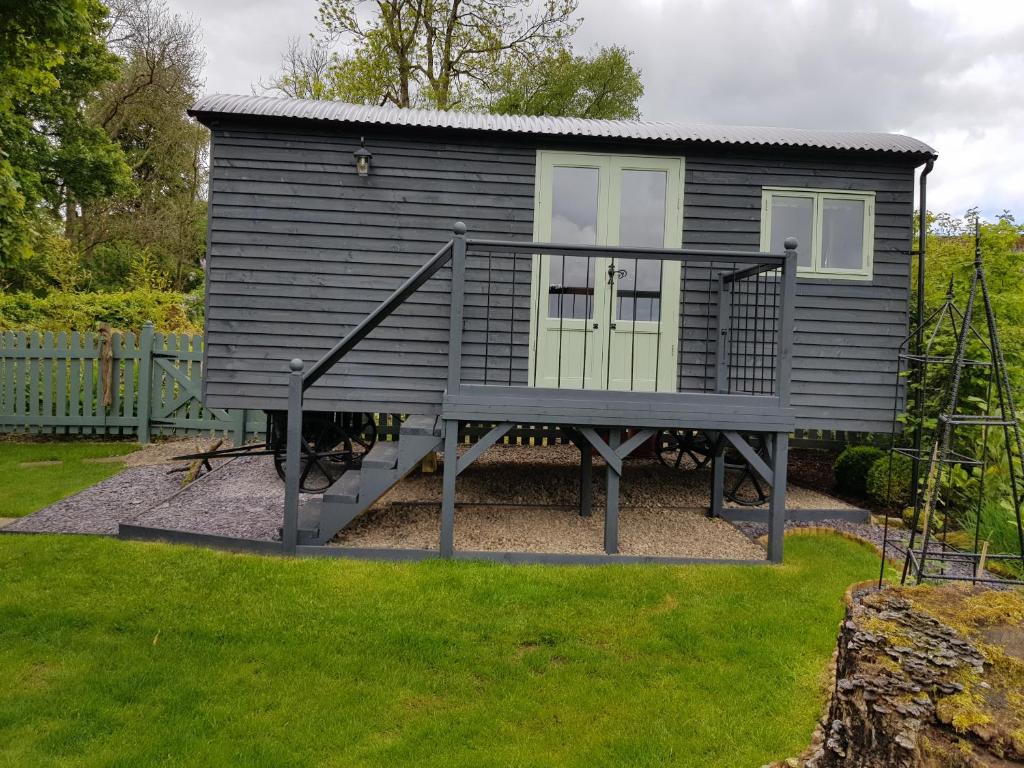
[(301, 249)]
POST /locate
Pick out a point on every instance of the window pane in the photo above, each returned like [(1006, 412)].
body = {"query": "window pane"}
[(642, 208), (842, 234), (792, 217), (574, 199), (641, 223), (639, 290)]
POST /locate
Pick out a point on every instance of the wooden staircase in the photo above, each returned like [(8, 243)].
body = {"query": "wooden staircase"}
[(357, 489)]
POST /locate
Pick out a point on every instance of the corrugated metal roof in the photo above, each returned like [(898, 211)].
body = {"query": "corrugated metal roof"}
[(641, 130)]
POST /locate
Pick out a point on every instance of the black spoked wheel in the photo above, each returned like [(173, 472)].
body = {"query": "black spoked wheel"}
[(743, 485), (331, 444), (686, 449)]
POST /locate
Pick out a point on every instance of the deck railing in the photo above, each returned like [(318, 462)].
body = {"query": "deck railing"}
[(743, 346), (726, 338)]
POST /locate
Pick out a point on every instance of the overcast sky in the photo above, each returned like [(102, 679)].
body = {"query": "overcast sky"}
[(948, 72)]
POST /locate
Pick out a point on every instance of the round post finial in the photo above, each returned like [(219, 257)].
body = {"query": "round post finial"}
[(295, 364), (790, 244), (459, 228)]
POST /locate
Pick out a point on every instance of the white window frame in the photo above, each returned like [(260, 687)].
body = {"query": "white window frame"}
[(818, 196)]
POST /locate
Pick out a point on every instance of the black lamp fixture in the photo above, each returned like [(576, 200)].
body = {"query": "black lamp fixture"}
[(362, 156)]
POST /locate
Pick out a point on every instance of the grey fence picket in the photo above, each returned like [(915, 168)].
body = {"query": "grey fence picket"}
[(55, 384)]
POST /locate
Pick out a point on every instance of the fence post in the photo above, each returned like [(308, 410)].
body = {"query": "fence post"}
[(145, 382), (238, 431), (786, 314)]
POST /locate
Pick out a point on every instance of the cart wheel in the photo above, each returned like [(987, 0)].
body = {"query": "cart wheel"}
[(743, 485), (360, 436), (324, 446), (686, 449)]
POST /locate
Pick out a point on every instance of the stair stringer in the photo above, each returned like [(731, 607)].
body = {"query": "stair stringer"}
[(374, 482)]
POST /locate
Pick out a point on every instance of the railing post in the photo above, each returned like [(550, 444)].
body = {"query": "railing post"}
[(143, 391), (290, 529), (457, 304), (784, 364), (724, 329)]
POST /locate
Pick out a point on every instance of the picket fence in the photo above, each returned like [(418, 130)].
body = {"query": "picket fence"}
[(117, 384)]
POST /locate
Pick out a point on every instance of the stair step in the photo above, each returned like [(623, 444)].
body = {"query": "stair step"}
[(420, 425), (345, 489), (383, 455)]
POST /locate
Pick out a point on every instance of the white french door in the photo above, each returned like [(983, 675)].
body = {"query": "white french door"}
[(601, 323)]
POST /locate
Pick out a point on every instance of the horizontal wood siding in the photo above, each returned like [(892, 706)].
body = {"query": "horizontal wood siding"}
[(847, 333), (301, 249)]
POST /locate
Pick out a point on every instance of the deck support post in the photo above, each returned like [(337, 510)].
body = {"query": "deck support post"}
[(586, 477), (717, 476), (293, 448), (611, 514), (451, 471), (777, 500)]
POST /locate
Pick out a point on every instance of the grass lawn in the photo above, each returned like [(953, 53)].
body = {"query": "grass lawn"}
[(26, 489), (127, 654)]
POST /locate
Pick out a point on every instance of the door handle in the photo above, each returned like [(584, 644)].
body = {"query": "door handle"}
[(612, 326)]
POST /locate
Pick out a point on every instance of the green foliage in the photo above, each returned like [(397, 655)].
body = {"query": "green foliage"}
[(852, 466), (603, 85), (125, 653), (888, 482), (503, 56), (998, 526), (52, 59), (123, 310)]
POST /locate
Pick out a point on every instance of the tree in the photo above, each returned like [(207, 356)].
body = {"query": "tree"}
[(604, 85), (497, 55), (161, 222), (53, 58)]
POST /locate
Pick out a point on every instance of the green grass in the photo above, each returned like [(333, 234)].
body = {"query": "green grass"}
[(27, 489), (126, 654)]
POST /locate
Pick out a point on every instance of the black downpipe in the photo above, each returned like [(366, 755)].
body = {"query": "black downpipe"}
[(915, 475)]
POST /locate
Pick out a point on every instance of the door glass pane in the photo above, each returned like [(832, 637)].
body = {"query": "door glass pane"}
[(792, 217), (574, 203), (842, 234), (641, 223)]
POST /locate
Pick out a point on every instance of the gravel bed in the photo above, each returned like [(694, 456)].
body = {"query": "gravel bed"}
[(245, 499), (683, 532), (99, 508)]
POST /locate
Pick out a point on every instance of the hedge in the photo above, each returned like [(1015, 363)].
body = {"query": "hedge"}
[(123, 310)]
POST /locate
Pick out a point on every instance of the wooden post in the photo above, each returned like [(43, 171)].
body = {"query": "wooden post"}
[(451, 471), (457, 304), (777, 500), (722, 347), (239, 427), (290, 529), (787, 310), (586, 477), (611, 514), (145, 382), (717, 476)]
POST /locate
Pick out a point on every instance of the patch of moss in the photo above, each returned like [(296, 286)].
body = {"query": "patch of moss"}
[(964, 711)]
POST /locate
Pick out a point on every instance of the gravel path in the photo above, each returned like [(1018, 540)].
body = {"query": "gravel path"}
[(243, 499), (100, 508)]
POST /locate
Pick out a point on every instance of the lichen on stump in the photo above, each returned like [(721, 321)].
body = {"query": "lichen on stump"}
[(926, 677)]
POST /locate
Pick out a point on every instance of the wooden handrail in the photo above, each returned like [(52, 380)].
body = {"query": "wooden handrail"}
[(627, 252), (377, 316)]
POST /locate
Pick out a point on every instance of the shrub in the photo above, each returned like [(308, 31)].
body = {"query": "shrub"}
[(851, 468), (122, 310), (886, 491)]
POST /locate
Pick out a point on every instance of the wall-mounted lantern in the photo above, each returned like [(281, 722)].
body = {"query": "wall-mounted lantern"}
[(362, 156)]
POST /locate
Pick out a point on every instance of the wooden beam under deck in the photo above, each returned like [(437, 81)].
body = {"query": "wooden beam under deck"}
[(601, 408)]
